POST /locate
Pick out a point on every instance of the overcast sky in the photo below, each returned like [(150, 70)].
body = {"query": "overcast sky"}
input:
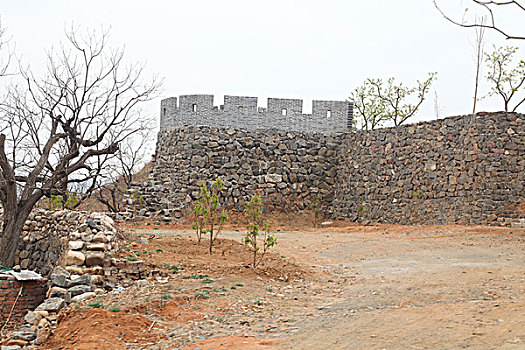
[(273, 48)]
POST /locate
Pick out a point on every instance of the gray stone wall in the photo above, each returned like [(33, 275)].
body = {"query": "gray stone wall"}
[(468, 169), (242, 112), (284, 166)]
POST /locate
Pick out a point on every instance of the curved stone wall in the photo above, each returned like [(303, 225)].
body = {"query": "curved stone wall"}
[(466, 169)]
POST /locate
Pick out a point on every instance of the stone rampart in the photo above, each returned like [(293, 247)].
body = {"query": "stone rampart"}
[(466, 169), (243, 113), (286, 166)]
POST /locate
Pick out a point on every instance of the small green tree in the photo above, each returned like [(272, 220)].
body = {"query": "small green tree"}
[(315, 206), (209, 212), (256, 227), (506, 81), (377, 102)]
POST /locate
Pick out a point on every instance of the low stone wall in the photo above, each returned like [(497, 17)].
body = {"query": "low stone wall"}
[(16, 297), (286, 167), (468, 169), (77, 240)]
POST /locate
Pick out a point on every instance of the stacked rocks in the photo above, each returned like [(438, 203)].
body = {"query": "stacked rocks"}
[(88, 245)]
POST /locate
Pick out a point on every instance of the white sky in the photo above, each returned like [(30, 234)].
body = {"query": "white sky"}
[(307, 49)]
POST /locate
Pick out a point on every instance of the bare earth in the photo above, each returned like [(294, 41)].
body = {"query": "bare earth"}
[(345, 287)]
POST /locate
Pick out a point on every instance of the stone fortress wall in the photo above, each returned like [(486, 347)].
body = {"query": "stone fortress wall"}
[(465, 169), (243, 113)]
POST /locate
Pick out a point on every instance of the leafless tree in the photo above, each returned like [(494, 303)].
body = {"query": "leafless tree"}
[(118, 176), (57, 130), (488, 6), (479, 52)]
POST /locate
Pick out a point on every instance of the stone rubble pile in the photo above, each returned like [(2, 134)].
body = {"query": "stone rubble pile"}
[(65, 288)]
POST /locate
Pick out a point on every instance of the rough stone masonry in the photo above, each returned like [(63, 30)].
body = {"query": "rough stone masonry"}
[(465, 169)]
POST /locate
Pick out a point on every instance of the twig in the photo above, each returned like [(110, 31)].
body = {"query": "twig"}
[(150, 327)]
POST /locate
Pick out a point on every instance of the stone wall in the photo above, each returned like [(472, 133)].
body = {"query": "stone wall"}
[(242, 112), (77, 240), (284, 166), (468, 169)]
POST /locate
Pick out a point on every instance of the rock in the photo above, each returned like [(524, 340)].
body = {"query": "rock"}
[(58, 280), (14, 344), (26, 334), (86, 235), (143, 240), (60, 293), (52, 305), (96, 247), (273, 178), (84, 280), (75, 258), (32, 318), (81, 289), (99, 238), (75, 269), (95, 259), (43, 332), (84, 297), (42, 313), (59, 270), (76, 245)]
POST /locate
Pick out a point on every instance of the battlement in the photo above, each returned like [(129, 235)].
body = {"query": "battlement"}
[(242, 112)]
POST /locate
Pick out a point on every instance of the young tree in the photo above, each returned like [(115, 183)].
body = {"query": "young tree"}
[(55, 130), (207, 212), (488, 7), (506, 80), (256, 227), (377, 102), (371, 111)]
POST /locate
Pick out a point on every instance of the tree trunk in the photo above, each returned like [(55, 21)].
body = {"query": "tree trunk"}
[(14, 221)]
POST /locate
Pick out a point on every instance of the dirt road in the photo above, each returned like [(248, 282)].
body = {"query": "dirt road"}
[(353, 287)]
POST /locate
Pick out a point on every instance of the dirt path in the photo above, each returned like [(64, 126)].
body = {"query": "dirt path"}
[(383, 287)]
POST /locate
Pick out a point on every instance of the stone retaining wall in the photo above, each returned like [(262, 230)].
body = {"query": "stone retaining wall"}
[(468, 169)]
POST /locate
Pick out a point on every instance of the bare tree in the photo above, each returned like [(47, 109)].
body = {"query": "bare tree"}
[(120, 173), (56, 131), (479, 52), (488, 7)]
